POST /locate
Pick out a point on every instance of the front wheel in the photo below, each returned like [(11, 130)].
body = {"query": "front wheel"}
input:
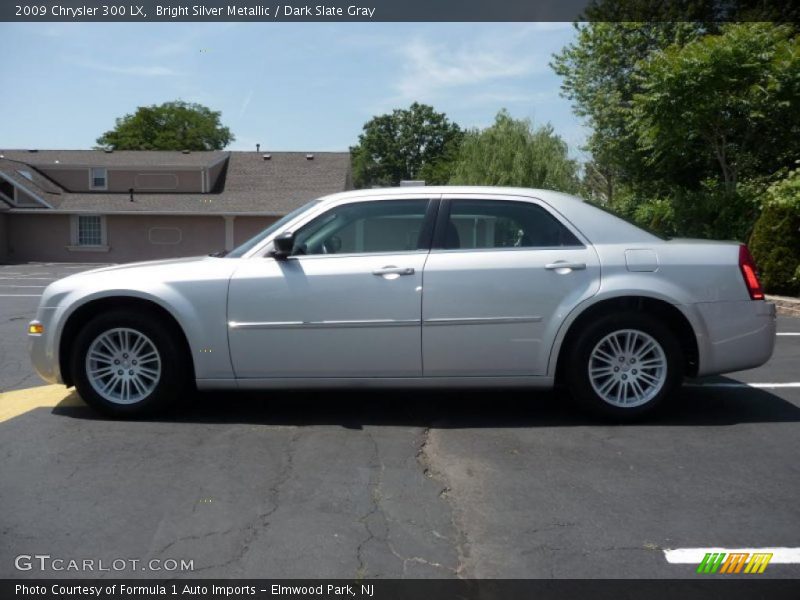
[(623, 366), (126, 364)]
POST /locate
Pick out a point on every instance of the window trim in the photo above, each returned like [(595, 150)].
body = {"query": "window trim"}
[(76, 246), (444, 217), (91, 178)]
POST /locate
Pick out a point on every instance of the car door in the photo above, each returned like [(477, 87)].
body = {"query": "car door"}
[(503, 273), (346, 303)]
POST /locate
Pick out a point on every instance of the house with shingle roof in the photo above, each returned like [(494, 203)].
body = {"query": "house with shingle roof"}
[(120, 206)]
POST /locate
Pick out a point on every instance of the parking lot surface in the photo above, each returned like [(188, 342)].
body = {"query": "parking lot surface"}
[(392, 484)]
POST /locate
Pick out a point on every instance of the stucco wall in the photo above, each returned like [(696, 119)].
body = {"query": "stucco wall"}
[(246, 227), (44, 237), (38, 237), (3, 238)]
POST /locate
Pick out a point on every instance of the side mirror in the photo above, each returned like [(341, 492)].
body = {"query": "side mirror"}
[(283, 245)]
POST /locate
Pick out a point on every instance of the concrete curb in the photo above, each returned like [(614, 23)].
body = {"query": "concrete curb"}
[(788, 307)]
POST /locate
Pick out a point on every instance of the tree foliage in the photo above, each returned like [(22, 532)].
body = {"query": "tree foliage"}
[(775, 243), (511, 152), (600, 75), (691, 121), (413, 143), (730, 101), (174, 125)]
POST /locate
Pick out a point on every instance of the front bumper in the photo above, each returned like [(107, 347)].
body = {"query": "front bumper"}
[(43, 348), (737, 335)]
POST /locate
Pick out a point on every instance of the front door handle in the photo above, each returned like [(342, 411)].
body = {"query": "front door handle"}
[(562, 264), (392, 270)]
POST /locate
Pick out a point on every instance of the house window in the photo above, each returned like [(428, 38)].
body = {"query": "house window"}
[(99, 178), (90, 231)]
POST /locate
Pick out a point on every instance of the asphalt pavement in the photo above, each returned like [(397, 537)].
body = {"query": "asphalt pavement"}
[(508, 484)]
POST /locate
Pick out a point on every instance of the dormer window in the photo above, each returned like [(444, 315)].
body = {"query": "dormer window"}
[(98, 178)]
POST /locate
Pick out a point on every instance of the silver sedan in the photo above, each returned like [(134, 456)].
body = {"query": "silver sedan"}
[(418, 287)]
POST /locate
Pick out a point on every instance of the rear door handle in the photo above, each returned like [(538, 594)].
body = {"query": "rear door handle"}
[(562, 264), (392, 270)]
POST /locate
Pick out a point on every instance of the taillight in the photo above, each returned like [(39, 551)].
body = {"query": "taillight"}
[(748, 267)]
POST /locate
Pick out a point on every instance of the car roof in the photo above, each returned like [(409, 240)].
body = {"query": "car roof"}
[(483, 190)]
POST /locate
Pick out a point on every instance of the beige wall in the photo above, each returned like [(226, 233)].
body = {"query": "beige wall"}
[(77, 180), (130, 238), (46, 237), (38, 237), (3, 238), (246, 227)]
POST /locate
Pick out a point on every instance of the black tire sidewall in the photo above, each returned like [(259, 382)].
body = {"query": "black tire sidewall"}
[(172, 383), (578, 373)]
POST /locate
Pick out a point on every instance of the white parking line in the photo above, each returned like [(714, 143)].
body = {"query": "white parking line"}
[(20, 295), (28, 278), (8, 285), (686, 556), (740, 384), (789, 333)]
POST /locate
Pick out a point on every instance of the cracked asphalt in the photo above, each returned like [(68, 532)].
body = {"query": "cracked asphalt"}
[(506, 484)]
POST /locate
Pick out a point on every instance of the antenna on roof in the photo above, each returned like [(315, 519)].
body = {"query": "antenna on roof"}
[(258, 147), (130, 191)]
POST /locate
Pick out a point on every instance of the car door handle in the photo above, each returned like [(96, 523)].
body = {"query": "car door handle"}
[(392, 270), (562, 264)]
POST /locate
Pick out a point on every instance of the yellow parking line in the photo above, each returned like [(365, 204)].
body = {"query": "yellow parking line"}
[(18, 402)]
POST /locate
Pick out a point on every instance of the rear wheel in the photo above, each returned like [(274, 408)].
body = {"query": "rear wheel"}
[(126, 364), (624, 365)]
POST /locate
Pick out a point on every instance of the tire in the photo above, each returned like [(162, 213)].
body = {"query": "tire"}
[(136, 368), (616, 389)]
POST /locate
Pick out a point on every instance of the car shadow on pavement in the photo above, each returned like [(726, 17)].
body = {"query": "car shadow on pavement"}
[(494, 408)]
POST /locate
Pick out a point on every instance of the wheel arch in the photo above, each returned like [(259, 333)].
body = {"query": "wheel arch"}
[(665, 311), (85, 312)]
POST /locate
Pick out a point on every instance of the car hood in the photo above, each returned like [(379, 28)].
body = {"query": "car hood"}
[(146, 264), (142, 278)]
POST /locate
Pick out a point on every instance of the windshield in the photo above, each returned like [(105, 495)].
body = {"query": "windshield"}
[(258, 238)]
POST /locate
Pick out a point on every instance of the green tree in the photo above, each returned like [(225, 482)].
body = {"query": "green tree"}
[(413, 143), (174, 125), (600, 76), (730, 103), (776, 237), (511, 152)]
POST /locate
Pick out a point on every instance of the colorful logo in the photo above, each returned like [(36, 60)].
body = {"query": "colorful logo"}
[(734, 562)]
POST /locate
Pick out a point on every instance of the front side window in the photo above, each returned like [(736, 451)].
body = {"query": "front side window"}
[(480, 224), (364, 227), (99, 179), (90, 231)]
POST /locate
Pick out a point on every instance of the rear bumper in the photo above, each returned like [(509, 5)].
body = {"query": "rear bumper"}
[(735, 336)]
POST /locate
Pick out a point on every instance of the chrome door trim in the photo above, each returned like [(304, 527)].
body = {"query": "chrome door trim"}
[(481, 320), (323, 324)]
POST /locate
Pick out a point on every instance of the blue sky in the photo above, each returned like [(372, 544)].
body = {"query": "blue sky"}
[(288, 86)]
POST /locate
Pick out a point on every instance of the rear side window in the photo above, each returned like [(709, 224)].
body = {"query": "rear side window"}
[(480, 224)]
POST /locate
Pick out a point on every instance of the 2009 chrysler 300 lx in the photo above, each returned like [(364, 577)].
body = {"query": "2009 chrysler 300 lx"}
[(450, 286)]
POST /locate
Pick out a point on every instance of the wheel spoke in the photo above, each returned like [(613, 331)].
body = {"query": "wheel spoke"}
[(627, 368), (123, 345)]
